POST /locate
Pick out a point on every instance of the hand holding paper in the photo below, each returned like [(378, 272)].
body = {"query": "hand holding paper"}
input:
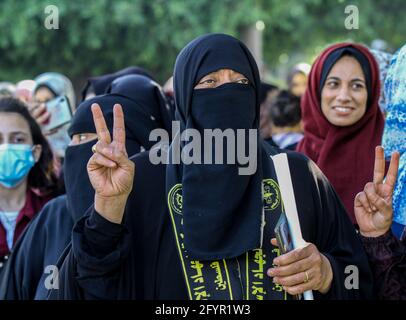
[(305, 268), (301, 270)]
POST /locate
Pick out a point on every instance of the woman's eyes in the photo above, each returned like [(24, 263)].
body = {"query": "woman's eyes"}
[(243, 81), (14, 139), (19, 140), (213, 82), (207, 81), (354, 86), (82, 137), (357, 86), (332, 84)]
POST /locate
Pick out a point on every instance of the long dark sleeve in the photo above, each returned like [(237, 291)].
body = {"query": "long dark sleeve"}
[(38, 247), (91, 268), (23, 269), (387, 256)]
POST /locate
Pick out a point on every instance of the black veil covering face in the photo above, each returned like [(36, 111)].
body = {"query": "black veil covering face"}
[(222, 210), (80, 193), (149, 95), (207, 54)]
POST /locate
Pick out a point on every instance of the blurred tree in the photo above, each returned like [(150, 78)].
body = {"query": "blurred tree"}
[(96, 37)]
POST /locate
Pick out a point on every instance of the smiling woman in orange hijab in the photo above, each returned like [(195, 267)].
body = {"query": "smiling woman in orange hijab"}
[(341, 117)]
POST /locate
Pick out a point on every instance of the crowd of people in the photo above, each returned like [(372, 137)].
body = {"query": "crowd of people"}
[(80, 195)]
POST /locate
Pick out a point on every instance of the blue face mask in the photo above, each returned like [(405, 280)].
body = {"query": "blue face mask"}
[(16, 161)]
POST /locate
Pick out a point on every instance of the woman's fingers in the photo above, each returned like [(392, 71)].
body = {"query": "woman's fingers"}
[(40, 113), (295, 255), (100, 160), (379, 165), (310, 277), (111, 151), (300, 288), (362, 200), (292, 280), (274, 242), (392, 174), (100, 124), (38, 110), (43, 118), (293, 268), (115, 150), (377, 203), (119, 126)]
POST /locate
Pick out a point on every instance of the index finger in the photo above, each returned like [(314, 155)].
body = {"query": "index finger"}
[(119, 125), (101, 128), (293, 256), (379, 166), (393, 169)]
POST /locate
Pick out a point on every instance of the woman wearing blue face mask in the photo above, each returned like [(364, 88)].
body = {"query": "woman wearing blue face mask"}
[(27, 178)]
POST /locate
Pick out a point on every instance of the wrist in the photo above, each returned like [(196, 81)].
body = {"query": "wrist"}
[(111, 208), (375, 233), (328, 279)]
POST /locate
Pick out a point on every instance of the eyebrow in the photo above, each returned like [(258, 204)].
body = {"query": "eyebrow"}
[(19, 132), (358, 79), (352, 80)]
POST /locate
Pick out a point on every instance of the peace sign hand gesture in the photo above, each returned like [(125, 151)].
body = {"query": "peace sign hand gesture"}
[(373, 206), (110, 171)]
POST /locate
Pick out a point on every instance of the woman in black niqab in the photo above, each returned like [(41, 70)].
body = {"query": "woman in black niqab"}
[(27, 269)]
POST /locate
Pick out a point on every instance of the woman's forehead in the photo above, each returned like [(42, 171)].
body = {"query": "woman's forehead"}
[(224, 71), (347, 66), (13, 122)]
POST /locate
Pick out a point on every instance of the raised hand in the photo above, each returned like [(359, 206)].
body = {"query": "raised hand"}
[(110, 171), (39, 112), (373, 206)]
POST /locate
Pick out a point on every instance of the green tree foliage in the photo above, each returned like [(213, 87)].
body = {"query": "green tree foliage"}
[(100, 36)]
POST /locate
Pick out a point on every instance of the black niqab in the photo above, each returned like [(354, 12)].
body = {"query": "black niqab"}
[(221, 209)]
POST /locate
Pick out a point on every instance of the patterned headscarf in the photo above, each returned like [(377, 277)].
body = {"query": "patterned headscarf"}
[(394, 137), (383, 58), (58, 84)]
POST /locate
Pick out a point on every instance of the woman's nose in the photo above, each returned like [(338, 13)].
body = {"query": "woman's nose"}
[(343, 95), (224, 78)]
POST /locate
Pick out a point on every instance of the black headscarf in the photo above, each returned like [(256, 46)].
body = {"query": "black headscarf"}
[(101, 83), (80, 193), (221, 209), (353, 52), (148, 95)]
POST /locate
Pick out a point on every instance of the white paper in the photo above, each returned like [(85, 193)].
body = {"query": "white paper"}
[(288, 198)]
